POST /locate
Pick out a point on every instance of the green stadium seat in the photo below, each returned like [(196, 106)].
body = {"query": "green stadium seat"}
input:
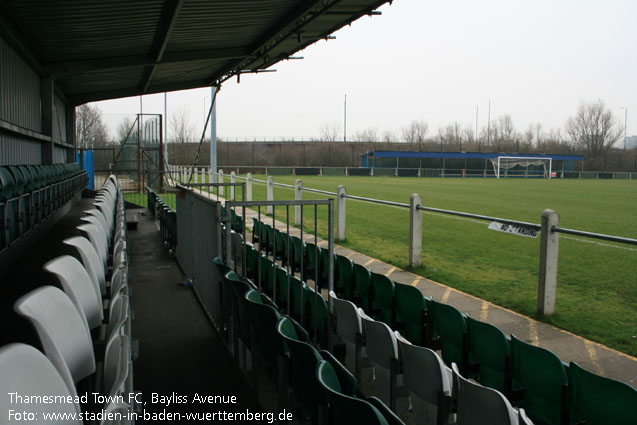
[(451, 327), (343, 286), (542, 378), (596, 400), (269, 344), (267, 276), (281, 288), (490, 349), (311, 264), (252, 262), (224, 297), (411, 313), (362, 287), (298, 247), (315, 314), (324, 264), (382, 299), (296, 298), (11, 213), (347, 409)]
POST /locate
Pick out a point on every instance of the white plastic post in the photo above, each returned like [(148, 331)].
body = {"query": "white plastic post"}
[(298, 195), (270, 193), (341, 201), (249, 187), (549, 253), (415, 231), (233, 179), (220, 176)]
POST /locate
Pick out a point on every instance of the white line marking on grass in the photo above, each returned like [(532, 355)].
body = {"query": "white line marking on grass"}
[(445, 296), (484, 311)]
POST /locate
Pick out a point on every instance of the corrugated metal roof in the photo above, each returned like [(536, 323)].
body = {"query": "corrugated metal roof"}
[(98, 50)]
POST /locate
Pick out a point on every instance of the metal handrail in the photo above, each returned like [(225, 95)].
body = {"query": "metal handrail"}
[(592, 235), (480, 217)]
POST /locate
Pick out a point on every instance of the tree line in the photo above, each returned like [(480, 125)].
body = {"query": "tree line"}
[(593, 131)]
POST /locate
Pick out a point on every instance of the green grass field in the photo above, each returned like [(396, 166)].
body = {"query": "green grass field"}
[(597, 280)]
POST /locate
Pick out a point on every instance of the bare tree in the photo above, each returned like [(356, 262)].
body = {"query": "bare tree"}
[(450, 135), (389, 136), (415, 132), (90, 130), (330, 131), (182, 130), (125, 130), (366, 135), (593, 128)]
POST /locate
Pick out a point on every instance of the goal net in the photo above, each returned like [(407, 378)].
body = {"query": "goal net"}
[(522, 166)]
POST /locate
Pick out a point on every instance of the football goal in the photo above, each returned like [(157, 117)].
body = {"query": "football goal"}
[(522, 166)]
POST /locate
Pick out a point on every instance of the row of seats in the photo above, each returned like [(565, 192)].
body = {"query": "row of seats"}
[(166, 216), (31, 193), (84, 328), (530, 377)]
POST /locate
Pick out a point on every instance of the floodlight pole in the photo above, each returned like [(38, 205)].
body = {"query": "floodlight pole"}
[(475, 138), (489, 124), (625, 121), (345, 120)]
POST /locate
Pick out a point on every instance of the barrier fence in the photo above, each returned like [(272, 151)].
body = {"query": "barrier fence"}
[(548, 229), (410, 172)]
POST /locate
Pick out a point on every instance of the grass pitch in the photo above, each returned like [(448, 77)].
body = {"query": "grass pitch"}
[(597, 280)]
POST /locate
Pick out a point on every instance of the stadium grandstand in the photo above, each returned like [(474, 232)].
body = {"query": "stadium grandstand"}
[(117, 313), (472, 164)]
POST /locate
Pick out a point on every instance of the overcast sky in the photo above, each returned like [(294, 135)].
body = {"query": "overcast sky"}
[(434, 61)]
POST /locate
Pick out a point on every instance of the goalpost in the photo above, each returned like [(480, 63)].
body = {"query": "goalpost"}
[(504, 163)]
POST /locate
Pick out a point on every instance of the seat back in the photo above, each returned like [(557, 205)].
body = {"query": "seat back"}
[(348, 322), (382, 298), (97, 237), (303, 362), (295, 309), (543, 376), (480, 405), (79, 286), (26, 371), (491, 348), (425, 375), (116, 363), (380, 342), (411, 308), (597, 400), (345, 272), (315, 312), (62, 330), (362, 286), (90, 259), (266, 319), (451, 326), (348, 410)]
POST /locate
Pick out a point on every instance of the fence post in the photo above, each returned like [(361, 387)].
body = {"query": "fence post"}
[(298, 195), (415, 231), (249, 187), (341, 220), (220, 176), (270, 193), (549, 253), (233, 179)]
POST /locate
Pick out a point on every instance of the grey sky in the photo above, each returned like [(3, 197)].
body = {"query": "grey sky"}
[(434, 61)]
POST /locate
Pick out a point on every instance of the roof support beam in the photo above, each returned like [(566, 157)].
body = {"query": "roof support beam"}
[(162, 35), (67, 68)]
